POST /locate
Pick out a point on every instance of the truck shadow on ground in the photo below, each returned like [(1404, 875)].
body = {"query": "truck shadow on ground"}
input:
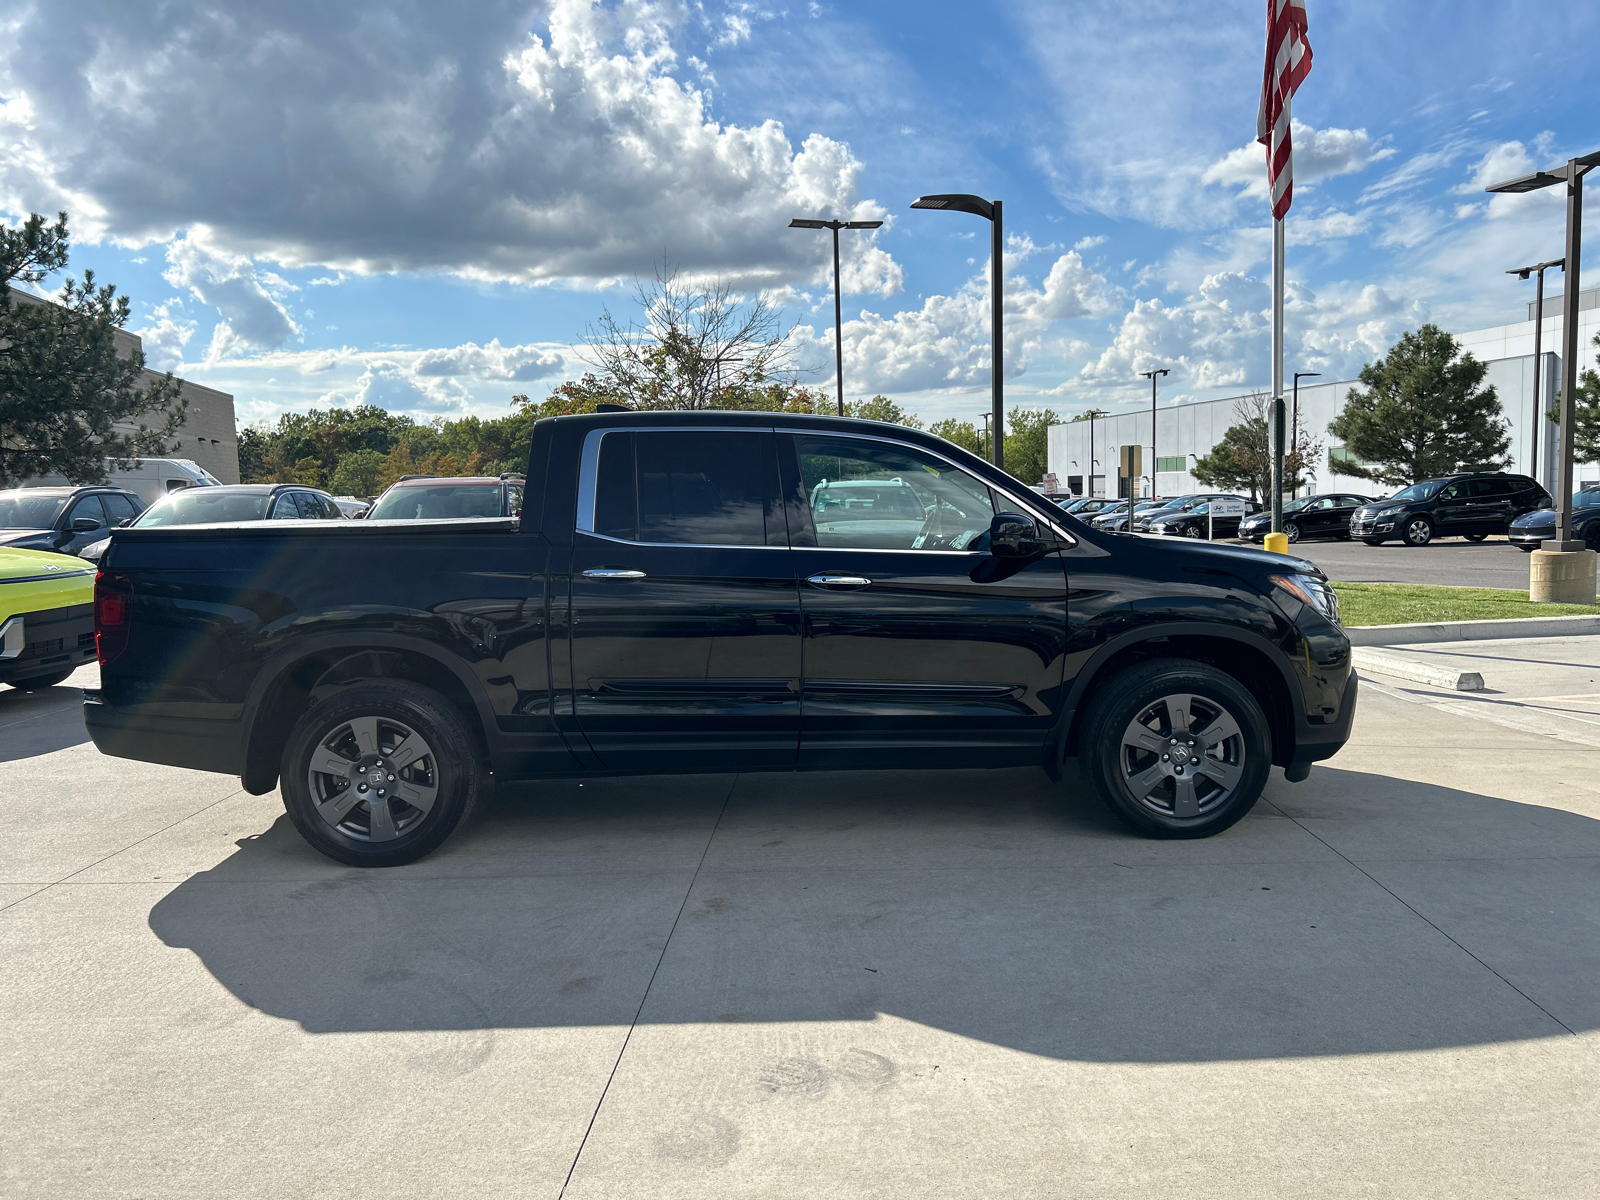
[(24, 730), (1352, 914)]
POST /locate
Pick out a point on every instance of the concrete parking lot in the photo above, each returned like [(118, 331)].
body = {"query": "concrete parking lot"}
[(1494, 563), (1381, 983)]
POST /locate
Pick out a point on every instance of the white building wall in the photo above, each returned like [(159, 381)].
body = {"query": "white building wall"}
[(1193, 430)]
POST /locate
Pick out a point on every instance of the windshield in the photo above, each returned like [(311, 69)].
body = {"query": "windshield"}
[(203, 506), (1586, 500), (30, 510), (1417, 491), (441, 502)]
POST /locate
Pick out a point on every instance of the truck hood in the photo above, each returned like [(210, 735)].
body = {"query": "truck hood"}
[(1243, 560)]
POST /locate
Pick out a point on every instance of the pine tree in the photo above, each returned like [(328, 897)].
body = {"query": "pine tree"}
[(1423, 413), (1586, 414), (62, 384)]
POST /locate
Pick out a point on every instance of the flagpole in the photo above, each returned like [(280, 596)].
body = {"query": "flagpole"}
[(1275, 429)]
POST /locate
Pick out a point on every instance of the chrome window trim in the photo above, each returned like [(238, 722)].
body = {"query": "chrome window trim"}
[(589, 469)]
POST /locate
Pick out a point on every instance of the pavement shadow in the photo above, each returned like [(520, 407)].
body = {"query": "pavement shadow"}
[(1352, 914), (23, 734)]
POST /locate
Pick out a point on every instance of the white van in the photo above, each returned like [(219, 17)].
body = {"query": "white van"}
[(149, 478)]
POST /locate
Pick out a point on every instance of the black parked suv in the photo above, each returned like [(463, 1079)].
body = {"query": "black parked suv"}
[(63, 520), (1470, 506)]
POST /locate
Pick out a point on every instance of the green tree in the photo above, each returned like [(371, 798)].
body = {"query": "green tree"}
[(963, 433), (1027, 442), (699, 347), (62, 383), (357, 474), (1422, 413), (1242, 460), (1586, 414), (881, 408)]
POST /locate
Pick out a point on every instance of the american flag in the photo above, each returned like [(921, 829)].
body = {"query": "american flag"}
[(1288, 63)]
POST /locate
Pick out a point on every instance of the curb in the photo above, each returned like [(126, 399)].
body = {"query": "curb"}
[(1398, 666), (1472, 631)]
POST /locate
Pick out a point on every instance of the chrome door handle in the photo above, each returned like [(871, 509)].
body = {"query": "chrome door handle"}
[(612, 573), (839, 581)]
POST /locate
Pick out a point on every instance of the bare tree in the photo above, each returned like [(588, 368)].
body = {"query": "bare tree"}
[(1243, 458), (700, 346)]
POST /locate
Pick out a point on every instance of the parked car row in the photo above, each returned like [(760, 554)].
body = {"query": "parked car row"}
[(1472, 505)]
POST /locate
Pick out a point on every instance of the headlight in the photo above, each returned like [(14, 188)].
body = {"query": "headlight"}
[(1318, 593), (1393, 510)]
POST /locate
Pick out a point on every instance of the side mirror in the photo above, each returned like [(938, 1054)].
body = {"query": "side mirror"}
[(84, 524), (1012, 535)]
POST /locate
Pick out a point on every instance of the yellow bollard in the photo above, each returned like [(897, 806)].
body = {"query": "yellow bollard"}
[(1277, 543)]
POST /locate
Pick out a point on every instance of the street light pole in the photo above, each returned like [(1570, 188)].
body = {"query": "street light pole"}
[(1151, 376), (1294, 427), (1572, 175), (1538, 347), (985, 437), (838, 317), (990, 211)]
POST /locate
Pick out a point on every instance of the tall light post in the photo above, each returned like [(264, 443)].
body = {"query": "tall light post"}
[(838, 318), (1571, 174), (1294, 427), (989, 210), (1538, 345), (985, 437), (1154, 470)]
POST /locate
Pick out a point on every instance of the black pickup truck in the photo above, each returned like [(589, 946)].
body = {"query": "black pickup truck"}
[(714, 591)]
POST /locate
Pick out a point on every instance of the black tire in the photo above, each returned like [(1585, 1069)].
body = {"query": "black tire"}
[(1291, 530), (410, 824), (1193, 531), (1232, 770), (1475, 537), (39, 682), (1418, 532)]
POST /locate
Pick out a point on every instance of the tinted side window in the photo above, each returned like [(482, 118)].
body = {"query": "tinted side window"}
[(119, 507), (875, 495), (1487, 488), (285, 509), (683, 487), (89, 506)]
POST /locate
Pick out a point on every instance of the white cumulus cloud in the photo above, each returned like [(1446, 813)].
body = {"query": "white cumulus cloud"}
[(448, 138)]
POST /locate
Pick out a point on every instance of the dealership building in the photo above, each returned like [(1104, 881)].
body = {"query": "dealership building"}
[(1186, 432), (207, 436)]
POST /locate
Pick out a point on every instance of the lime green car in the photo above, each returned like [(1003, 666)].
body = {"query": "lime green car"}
[(46, 617)]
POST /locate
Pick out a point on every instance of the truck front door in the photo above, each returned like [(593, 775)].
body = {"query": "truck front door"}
[(685, 634), (921, 649)]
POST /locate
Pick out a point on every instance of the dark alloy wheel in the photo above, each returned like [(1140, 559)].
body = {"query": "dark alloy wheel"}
[(1419, 531), (39, 682), (1475, 537), (379, 774), (1291, 530), (1176, 748)]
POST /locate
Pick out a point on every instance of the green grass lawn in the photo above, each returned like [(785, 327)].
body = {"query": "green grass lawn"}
[(1402, 603)]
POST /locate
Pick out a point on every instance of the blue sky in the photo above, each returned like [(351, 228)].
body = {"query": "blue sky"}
[(423, 206)]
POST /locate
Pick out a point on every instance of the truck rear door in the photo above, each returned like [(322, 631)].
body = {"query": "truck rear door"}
[(685, 627)]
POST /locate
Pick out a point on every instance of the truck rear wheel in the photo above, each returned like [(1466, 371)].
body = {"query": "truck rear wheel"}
[(1176, 748), (379, 774)]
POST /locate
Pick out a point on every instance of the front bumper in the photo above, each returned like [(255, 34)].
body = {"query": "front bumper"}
[(1313, 743), (46, 642), (1371, 526), (1531, 537)]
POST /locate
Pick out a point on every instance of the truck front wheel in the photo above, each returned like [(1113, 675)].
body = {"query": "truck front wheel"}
[(1176, 748), (379, 774)]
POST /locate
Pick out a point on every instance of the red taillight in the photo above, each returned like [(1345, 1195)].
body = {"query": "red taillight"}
[(113, 614)]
